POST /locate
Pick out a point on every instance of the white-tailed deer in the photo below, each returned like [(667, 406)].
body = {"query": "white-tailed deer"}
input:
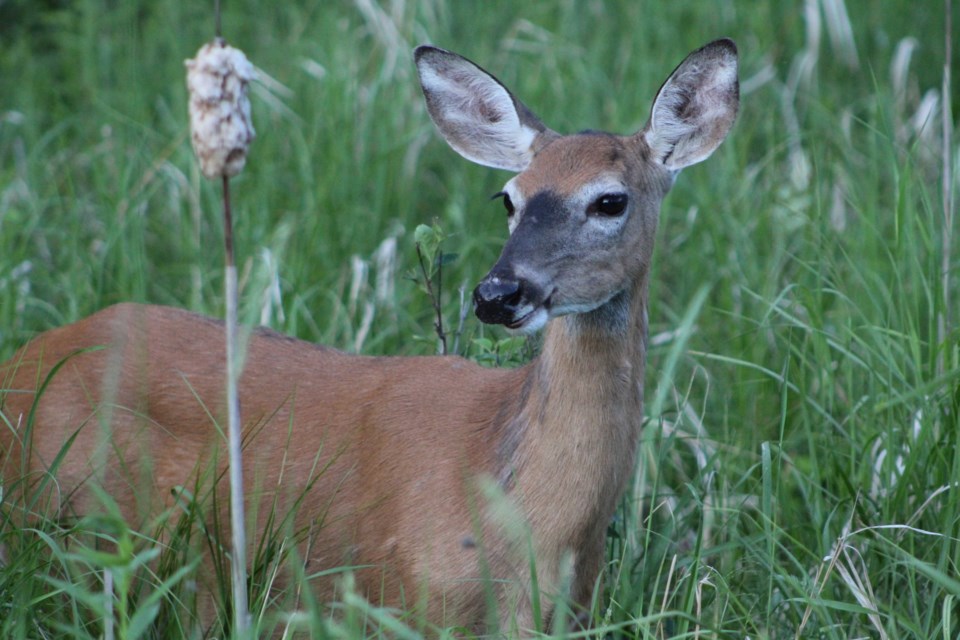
[(388, 463)]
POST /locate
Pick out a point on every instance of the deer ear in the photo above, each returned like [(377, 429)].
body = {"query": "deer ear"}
[(476, 114), (695, 107)]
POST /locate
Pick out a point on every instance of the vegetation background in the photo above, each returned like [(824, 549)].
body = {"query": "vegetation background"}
[(799, 469)]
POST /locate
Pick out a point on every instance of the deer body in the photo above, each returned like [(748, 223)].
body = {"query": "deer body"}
[(389, 464)]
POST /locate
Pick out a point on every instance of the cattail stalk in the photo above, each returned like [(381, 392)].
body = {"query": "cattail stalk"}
[(221, 131), (238, 558)]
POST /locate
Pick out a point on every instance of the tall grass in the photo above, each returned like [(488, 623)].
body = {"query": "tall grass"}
[(798, 472)]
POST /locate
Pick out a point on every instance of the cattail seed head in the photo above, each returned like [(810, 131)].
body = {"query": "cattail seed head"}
[(220, 125)]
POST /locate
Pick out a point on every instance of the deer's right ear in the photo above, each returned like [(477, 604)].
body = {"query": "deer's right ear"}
[(476, 114)]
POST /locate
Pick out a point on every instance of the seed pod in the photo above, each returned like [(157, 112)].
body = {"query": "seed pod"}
[(220, 125)]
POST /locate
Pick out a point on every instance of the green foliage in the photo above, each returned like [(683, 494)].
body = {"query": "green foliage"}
[(798, 472)]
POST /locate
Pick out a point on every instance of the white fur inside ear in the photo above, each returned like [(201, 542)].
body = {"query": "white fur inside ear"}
[(477, 115), (666, 126), (693, 112)]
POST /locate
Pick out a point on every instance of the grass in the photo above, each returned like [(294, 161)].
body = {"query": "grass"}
[(798, 471)]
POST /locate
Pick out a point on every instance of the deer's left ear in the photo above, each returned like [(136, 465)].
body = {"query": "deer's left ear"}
[(476, 114), (695, 107)]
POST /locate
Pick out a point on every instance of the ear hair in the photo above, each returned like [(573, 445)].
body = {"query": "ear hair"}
[(695, 108), (475, 113)]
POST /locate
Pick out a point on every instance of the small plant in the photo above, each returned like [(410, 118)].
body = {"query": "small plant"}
[(509, 351), (431, 259)]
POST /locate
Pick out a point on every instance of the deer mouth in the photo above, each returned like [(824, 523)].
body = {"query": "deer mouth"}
[(515, 303), (533, 319), (530, 322), (518, 323)]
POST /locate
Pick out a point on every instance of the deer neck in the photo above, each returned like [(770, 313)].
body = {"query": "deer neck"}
[(575, 438)]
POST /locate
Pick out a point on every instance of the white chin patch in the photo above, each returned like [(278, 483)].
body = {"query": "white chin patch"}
[(531, 323), (575, 308)]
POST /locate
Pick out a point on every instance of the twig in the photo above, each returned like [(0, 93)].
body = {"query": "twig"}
[(434, 298)]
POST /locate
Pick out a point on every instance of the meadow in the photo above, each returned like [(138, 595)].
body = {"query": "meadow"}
[(798, 473)]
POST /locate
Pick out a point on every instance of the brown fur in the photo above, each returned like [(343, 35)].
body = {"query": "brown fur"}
[(394, 447)]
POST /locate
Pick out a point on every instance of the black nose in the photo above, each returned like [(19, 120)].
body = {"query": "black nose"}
[(496, 299)]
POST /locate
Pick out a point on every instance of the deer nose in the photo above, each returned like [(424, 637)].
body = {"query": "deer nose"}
[(496, 298)]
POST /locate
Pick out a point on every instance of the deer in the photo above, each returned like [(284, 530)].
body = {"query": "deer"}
[(394, 465)]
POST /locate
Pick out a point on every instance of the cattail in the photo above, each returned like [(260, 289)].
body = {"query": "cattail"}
[(220, 125), (221, 131)]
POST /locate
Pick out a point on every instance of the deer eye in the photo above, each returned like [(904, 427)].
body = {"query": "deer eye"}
[(609, 204), (507, 203)]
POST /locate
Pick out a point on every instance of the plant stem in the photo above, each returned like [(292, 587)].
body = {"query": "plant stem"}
[(943, 319), (238, 556), (434, 298), (108, 604), (464, 310)]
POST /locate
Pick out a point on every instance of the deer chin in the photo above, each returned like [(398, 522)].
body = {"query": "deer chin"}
[(530, 322), (535, 318), (569, 307)]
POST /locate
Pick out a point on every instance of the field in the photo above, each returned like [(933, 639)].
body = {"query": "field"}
[(799, 467)]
